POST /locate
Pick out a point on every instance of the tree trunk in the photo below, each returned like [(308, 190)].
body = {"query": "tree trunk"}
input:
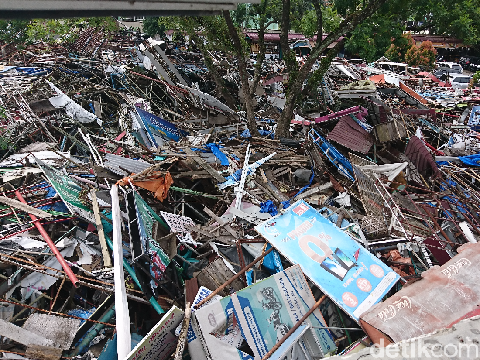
[(242, 68), (261, 49)]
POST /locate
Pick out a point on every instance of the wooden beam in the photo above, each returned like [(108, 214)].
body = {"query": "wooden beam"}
[(214, 173), (24, 207), (107, 262)]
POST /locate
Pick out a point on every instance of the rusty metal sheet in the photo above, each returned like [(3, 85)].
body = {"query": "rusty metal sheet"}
[(351, 135), (444, 295)]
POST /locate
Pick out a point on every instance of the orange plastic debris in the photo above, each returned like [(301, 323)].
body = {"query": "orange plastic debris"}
[(158, 183)]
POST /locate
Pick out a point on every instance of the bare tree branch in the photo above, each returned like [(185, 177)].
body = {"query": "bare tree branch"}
[(295, 86)]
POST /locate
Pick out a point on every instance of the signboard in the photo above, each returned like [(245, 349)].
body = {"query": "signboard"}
[(346, 272), (164, 128), (146, 217), (258, 316), (195, 347), (160, 342), (68, 190)]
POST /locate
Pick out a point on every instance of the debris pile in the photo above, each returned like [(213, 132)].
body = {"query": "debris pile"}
[(140, 219)]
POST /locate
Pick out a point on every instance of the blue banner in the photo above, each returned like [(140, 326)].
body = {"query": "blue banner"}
[(345, 271)]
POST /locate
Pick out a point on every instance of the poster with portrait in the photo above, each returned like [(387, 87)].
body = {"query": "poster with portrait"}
[(345, 271)]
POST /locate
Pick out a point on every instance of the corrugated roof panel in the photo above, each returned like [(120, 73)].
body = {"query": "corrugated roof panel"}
[(117, 163), (444, 295), (351, 135)]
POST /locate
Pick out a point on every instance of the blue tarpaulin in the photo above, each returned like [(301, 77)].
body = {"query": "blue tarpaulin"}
[(220, 155), (268, 207), (245, 133), (473, 160)]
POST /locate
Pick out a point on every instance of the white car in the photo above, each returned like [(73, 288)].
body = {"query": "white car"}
[(460, 81), (450, 67)]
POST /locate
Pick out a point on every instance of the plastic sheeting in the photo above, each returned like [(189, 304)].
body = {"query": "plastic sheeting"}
[(268, 207), (72, 109), (391, 171), (159, 184), (214, 148)]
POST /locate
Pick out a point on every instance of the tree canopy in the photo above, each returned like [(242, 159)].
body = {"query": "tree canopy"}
[(370, 40), (49, 30), (445, 17)]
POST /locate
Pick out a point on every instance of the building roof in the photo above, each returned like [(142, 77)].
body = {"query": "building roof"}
[(275, 37)]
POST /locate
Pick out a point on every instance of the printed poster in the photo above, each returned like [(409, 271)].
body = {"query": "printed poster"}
[(195, 346), (161, 341), (248, 323), (344, 270)]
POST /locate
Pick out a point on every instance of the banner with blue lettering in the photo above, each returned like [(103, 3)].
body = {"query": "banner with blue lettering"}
[(258, 316), (345, 271), (154, 124)]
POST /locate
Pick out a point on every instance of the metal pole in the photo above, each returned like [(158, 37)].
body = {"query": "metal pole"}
[(50, 243), (93, 332), (295, 327)]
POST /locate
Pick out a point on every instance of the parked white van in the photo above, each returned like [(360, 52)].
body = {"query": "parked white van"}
[(460, 81)]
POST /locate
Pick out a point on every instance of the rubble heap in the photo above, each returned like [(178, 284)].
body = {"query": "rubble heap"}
[(141, 220)]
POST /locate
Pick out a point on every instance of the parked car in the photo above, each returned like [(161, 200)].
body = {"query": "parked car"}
[(450, 67), (460, 81)]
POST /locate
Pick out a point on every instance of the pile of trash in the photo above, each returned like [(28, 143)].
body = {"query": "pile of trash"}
[(140, 219)]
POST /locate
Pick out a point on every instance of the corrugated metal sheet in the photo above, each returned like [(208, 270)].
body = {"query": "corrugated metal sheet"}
[(351, 135), (116, 162), (418, 154), (444, 295)]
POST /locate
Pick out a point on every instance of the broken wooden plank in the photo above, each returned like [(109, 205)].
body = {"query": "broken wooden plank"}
[(220, 221), (183, 333), (214, 173), (24, 207), (314, 190), (107, 261), (217, 274)]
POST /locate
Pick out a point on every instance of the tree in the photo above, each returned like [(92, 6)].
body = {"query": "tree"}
[(476, 78), (424, 55), (13, 31), (357, 12), (308, 22), (371, 39), (50, 30), (459, 19), (225, 34), (152, 26), (399, 48)]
